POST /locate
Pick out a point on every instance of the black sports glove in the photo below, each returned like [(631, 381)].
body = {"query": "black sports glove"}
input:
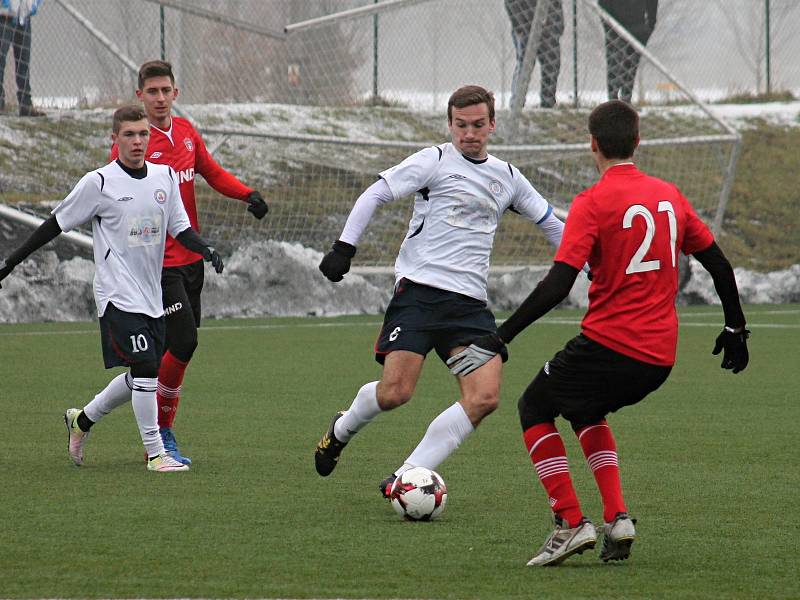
[(735, 355), (258, 207), (212, 256), (5, 270), (336, 263)]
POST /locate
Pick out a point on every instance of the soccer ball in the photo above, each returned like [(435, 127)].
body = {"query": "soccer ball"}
[(419, 494)]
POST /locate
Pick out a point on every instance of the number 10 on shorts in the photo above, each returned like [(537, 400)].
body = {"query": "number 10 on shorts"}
[(139, 343)]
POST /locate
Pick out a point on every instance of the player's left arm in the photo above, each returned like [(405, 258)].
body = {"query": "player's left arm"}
[(733, 337), (226, 183), (529, 203)]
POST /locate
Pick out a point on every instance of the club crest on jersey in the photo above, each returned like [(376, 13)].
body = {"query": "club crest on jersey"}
[(160, 196), (155, 155), (188, 143), (495, 186)]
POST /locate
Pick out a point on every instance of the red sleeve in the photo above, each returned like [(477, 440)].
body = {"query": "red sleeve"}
[(580, 233), (697, 235), (114, 154), (217, 177)]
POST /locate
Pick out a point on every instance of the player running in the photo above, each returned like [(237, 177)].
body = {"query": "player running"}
[(175, 142), (132, 205), (629, 227), (441, 277)]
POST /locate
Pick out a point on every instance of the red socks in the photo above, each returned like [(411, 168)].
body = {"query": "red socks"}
[(600, 450), (546, 449), (168, 394)]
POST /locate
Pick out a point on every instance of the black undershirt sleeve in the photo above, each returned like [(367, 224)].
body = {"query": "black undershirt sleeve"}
[(46, 232), (547, 295), (191, 240), (718, 266)]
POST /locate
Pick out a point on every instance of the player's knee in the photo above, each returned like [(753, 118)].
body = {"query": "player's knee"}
[(392, 395), (482, 402), (145, 369), (183, 347)]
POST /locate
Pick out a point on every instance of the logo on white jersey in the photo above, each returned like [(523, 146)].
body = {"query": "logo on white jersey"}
[(495, 186), (155, 155), (125, 199), (456, 176), (395, 334), (160, 196), (188, 143), (186, 175), (144, 230)]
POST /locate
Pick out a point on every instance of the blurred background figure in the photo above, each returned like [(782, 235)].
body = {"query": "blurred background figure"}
[(15, 31), (548, 52), (622, 60)]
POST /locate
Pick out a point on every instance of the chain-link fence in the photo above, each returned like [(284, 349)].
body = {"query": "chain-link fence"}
[(237, 51), (308, 107)]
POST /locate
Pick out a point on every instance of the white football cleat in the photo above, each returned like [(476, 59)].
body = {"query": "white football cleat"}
[(164, 463), (564, 542), (77, 438), (618, 536)]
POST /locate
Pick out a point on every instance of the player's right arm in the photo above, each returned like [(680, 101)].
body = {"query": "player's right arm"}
[(78, 207), (409, 176)]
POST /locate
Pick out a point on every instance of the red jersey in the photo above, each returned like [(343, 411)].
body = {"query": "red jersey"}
[(629, 227), (184, 150)]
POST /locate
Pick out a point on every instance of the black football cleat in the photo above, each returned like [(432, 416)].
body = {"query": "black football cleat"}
[(328, 450), (386, 486)]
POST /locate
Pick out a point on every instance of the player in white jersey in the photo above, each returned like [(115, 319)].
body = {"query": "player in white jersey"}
[(132, 205), (441, 277)]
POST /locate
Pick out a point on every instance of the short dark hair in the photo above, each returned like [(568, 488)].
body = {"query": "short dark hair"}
[(126, 113), (155, 68), (467, 96), (615, 126)]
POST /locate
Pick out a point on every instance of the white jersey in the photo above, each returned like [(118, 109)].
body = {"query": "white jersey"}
[(457, 207), (130, 221)]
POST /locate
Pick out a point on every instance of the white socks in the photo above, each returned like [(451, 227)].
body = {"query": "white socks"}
[(362, 411), (444, 435), (145, 408), (115, 394)]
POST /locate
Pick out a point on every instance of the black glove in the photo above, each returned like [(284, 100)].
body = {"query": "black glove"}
[(257, 206), (337, 262), (735, 355), (212, 256), (5, 270)]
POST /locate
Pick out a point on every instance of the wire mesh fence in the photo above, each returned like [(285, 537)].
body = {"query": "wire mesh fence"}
[(310, 116)]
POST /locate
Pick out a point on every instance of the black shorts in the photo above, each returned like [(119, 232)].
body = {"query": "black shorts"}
[(420, 318), (584, 382), (130, 338), (180, 292)]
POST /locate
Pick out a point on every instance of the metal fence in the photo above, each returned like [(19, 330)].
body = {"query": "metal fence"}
[(237, 51), (306, 130)]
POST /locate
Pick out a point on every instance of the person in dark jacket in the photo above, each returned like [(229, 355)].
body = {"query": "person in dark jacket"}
[(622, 59), (548, 53)]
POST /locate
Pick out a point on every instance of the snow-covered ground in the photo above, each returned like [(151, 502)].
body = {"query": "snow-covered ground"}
[(274, 278)]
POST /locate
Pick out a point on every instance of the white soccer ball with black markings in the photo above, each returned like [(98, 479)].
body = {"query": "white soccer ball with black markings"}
[(419, 494)]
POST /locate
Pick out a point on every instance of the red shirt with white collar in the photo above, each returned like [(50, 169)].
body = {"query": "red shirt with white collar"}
[(184, 150), (630, 227)]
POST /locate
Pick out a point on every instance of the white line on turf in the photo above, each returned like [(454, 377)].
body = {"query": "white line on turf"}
[(210, 328)]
